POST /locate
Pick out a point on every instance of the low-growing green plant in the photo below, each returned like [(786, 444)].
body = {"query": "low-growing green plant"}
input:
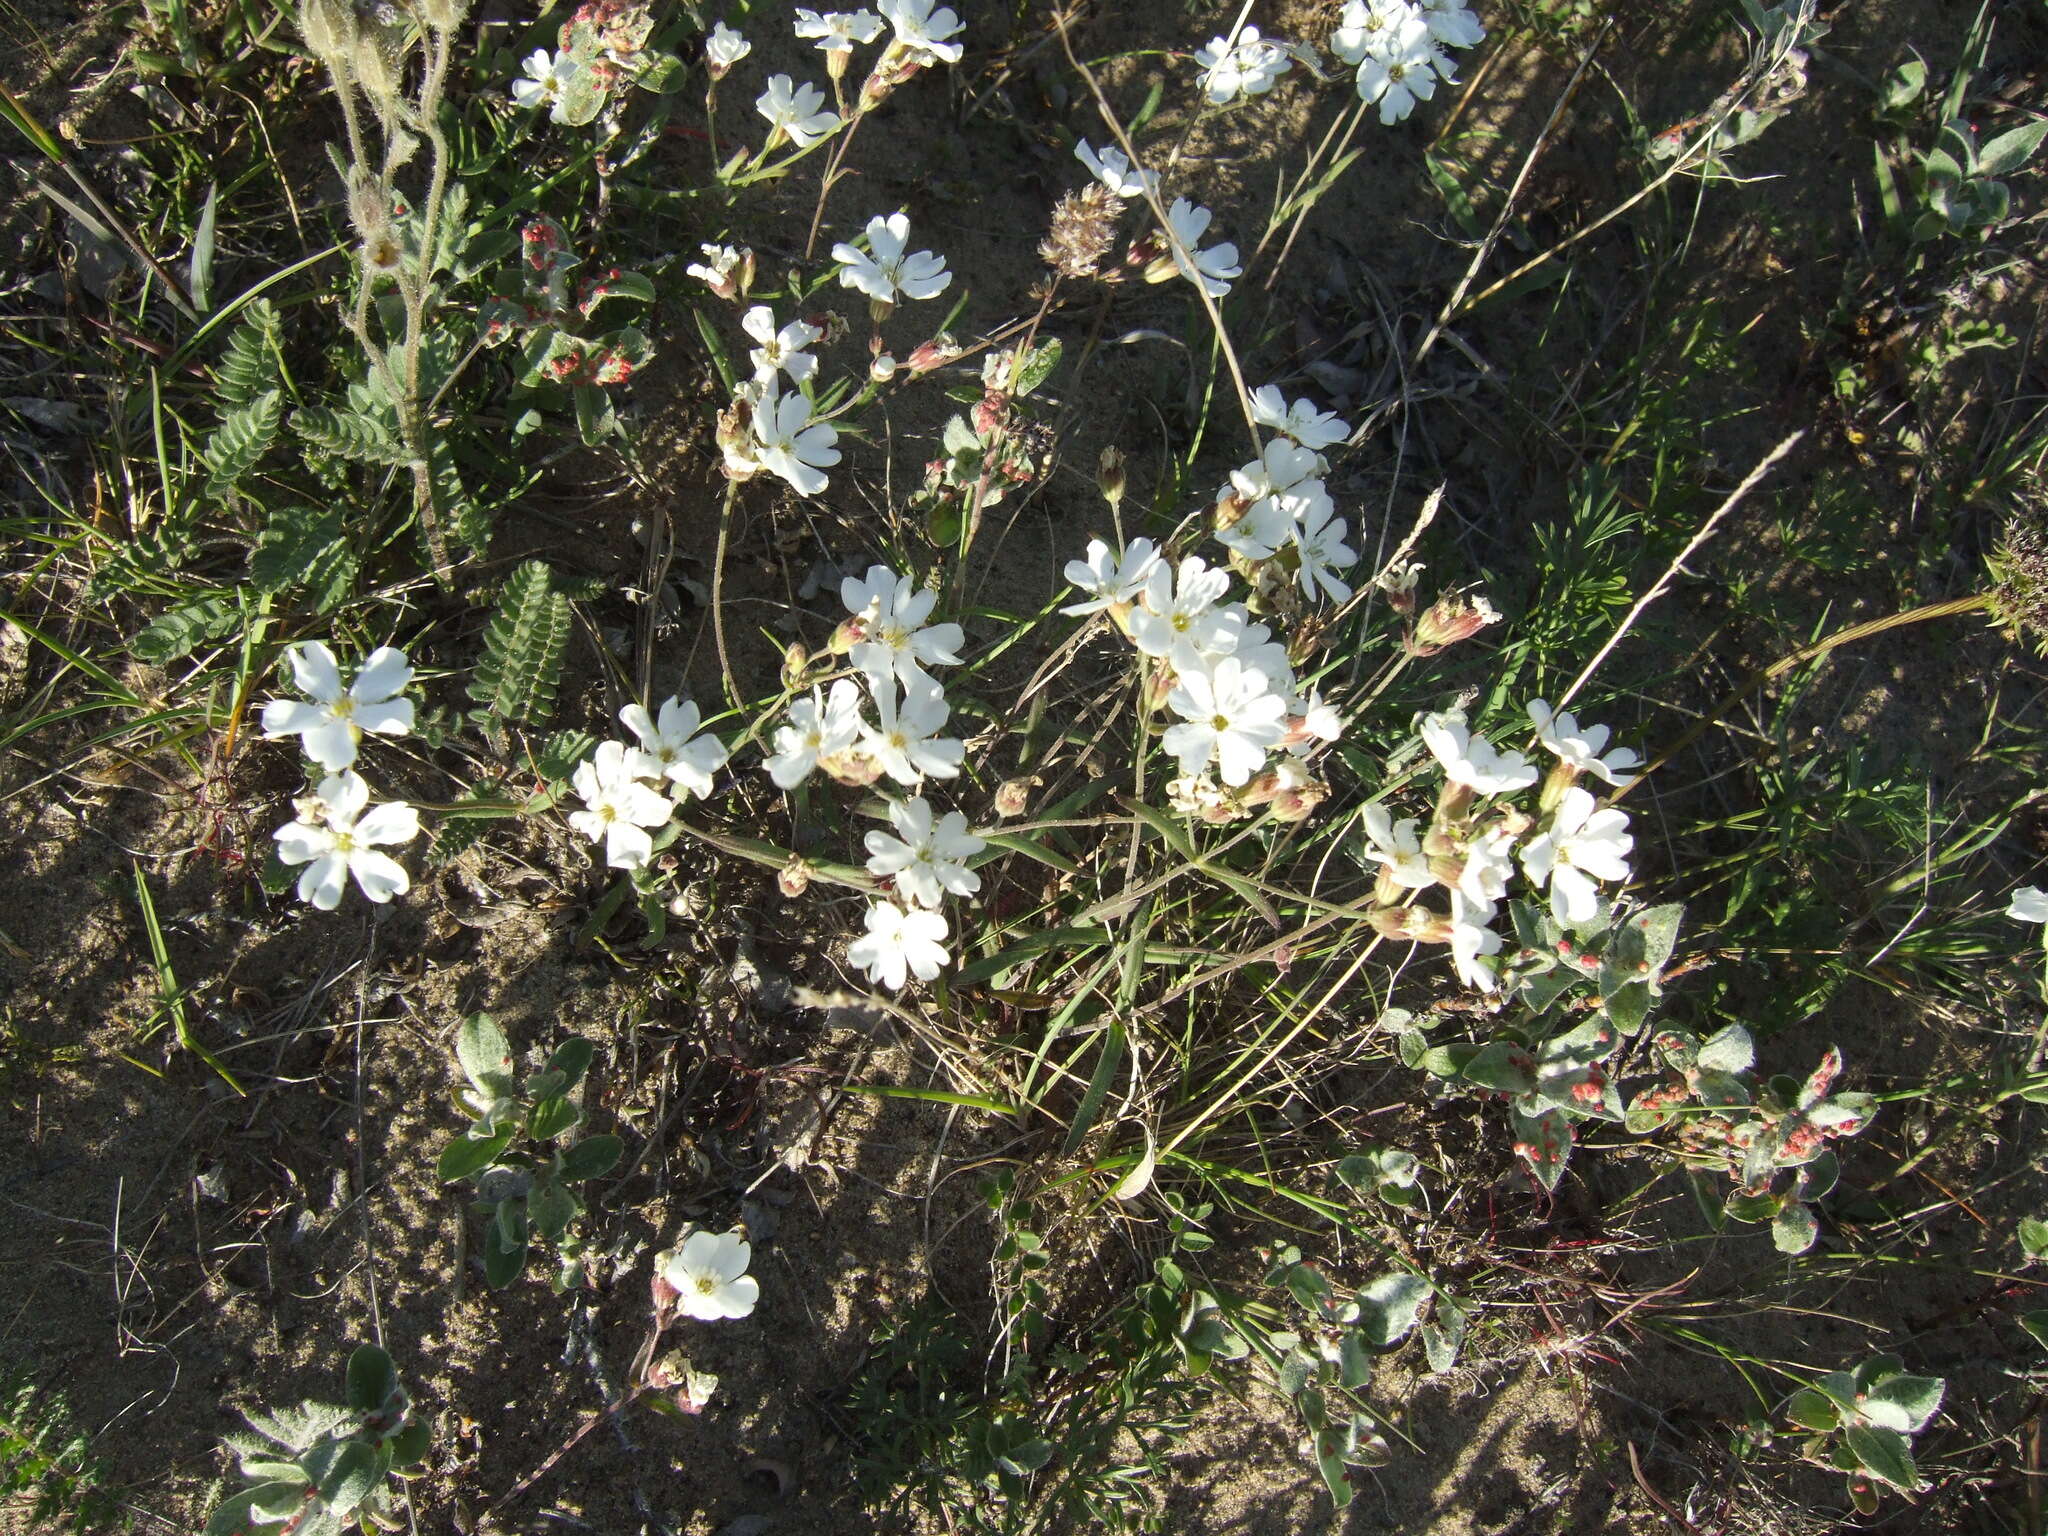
[(47, 1465), (1863, 1422), (524, 1182), (321, 1468)]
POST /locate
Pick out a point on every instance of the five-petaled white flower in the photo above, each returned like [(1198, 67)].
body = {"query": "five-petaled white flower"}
[(337, 835), (783, 440), (2029, 905), (818, 727), (724, 48), (671, 748), (547, 76), (900, 943), (708, 1273), (1581, 845), (781, 347), (1451, 24), (1319, 542), (1311, 428), (1488, 868), (1470, 939), (1229, 713), (1401, 69), (722, 269), (1580, 746), (1240, 65), (1213, 268), (905, 739), (1115, 172), (795, 110), (894, 640), (1395, 844), (1180, 620), (838, 31), (1471, 760), (887, 270), (923, 32), (925, 858), (1108, 578), (1365, 26), (621, 808), (329, 727)]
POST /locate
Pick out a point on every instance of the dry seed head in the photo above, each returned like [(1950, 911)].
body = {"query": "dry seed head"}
[(2019, 580), (1083, 229)]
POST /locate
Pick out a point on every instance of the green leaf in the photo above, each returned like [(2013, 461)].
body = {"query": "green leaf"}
[(2036, 1323), (1389, 1306), (1884, 1454), (467, 1155), (1502, 1066), (248, 365), (2011, 149), (551, 1117), (1444, 1335), (524, 646), (1794, 1229), (1812, 1410), (563, 751), (1659, 928), (1904, 1403), (250, 1510), (1023, 1459), (2034, 1237), (551, 1208), (1037, 366), (372, 1379), (349, 435), (592, 1158), (244, 436), (1902, 87), (503, 1263), (304, 547), (409, 1446), (1545, 1142), (1727, 1050), (344, 1471), (187, 627), (485, 1054), (572, 1059)]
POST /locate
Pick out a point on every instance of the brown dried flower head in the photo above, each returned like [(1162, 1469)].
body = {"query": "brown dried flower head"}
[(1083, 229)]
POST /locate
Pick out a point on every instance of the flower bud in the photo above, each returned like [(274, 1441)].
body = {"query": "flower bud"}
[(329, 28), (377, 64), (1453, 617), (989, 413), (1230, 510), (1398, 582), (794, 878), (442, 15), (851, 632), (1561, 777), (936, 353), (736, 440), (663, 1294), (1013, 797), (883, 368), (1298, 802), (855, 769), (795, 662), (1145, 252), (1158, 686), (1417, 925), (1110, 476)]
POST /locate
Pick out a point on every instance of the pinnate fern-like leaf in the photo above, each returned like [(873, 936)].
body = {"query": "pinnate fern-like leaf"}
[(244, 436), (349, 435), (307, 548), (187, 627), (523, 648), (248, 366)]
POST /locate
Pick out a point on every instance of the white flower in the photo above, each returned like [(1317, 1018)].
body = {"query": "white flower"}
[(905, 739), (1240, 65), (1471, 760), (1254, 645), (334, 838), (885, 272), (818, 727), (1110, 579), (709, 1276), (1311, 428), (900, 944), (719, 270), (1229, 713), (785, 441), (2029, 905), (1401, 69), (1580, 746), (1488, 868), (670, 747), (925, 859), (1180, 619), (1394, 844), (1366, 25), (329, 727), (781, 348), (1581, 846), (547, 75), (795, 110), (1284, 495), (892, 610), (1318, 721), (1319, 541), (620, 806), (838, 31), (1451, 24), (1213, 268), (725, 48), (1114, 171), (1471, 938), (923, 32)]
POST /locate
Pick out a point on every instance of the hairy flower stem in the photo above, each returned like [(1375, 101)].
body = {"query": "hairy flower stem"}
[(732, 687), (411, 415), (833, 172)]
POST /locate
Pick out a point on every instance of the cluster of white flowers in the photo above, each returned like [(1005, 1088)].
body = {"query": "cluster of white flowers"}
[(1226, 677), (1569, 847), (629, 791), (336, 831), (1397, 48), (891, 642), (1277, 509)]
